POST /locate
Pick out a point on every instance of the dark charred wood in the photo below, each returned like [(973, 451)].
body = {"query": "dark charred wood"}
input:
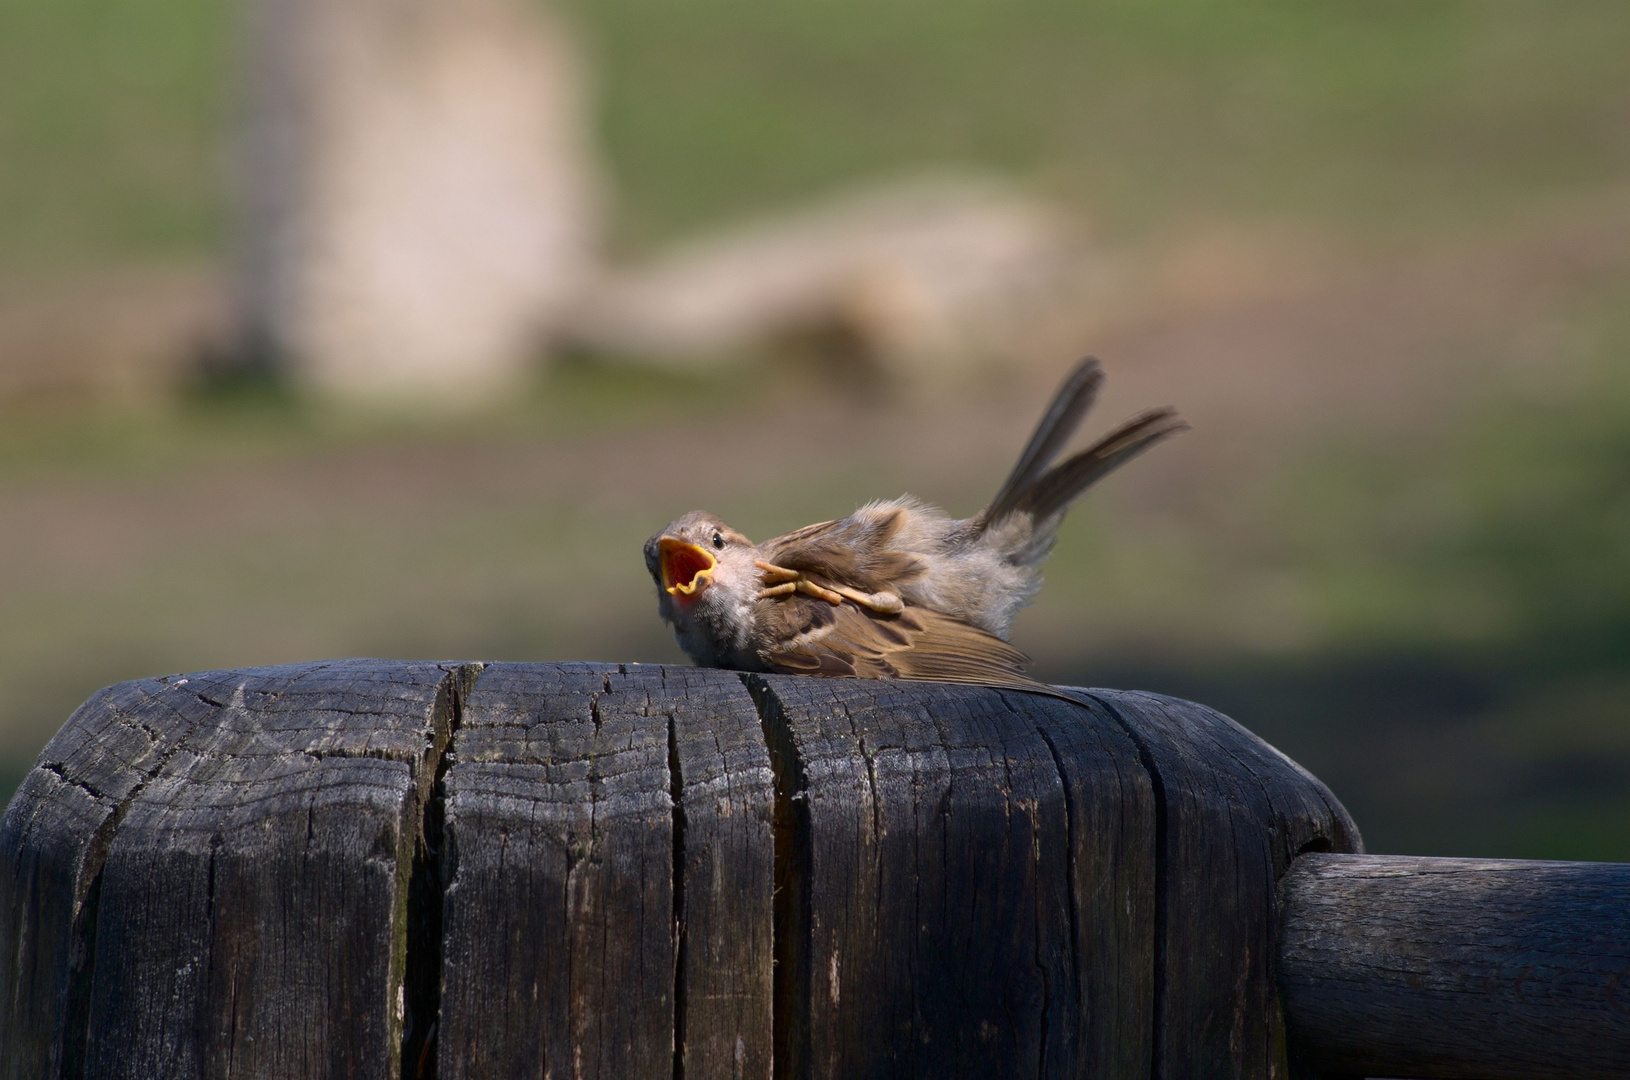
[(969, 900), (1478, 968), (571, 947), (380, 869), (1234, 812), (203, 875)]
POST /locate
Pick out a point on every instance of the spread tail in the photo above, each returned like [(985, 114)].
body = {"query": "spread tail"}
[(1044, 492), (1059, 486), (1070, 406)]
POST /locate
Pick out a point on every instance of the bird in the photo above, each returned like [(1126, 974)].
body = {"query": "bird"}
[(898, 589)]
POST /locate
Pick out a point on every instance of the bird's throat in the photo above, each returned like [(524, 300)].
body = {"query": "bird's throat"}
[(686, 568)]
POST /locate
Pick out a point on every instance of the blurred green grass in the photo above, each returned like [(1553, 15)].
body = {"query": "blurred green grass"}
[(113, 117), (1396, 115), (1392, 114), (1438, 625)]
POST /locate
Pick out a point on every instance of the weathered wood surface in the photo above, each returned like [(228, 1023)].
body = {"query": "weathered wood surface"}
[(958, 886), (1478, 968), (592, 930), (202, 875), (1234, 812), (378, 869)]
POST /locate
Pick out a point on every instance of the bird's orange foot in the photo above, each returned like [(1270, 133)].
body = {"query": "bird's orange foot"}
[(777, 575), (780, 581)]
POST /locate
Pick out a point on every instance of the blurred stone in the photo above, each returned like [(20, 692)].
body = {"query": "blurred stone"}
[(923, 278), (419, 196)]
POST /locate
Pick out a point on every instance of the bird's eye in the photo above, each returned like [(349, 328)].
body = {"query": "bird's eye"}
[(718, 541)]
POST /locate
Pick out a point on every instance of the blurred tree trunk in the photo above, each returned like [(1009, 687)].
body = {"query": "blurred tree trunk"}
[(417, 193)]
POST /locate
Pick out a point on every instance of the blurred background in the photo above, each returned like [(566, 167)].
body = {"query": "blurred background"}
[(372, 329)]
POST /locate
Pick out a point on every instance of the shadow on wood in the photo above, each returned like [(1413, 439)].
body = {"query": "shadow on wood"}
[(372, 868)]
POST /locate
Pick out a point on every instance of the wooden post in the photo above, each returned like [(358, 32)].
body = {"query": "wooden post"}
[(382, 869)]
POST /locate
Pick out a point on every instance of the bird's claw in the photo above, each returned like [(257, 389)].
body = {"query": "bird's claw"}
[(780, 581), (803, 585), (883, 603)]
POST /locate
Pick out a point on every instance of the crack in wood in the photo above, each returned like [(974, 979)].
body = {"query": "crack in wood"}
[(790, 925), (1157, 1066), (427, 885), (676, 784), (1069, 870), (81, 974), (57, 769)]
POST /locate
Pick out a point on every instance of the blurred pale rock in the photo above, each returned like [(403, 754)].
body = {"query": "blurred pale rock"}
[(922, 278), (419, 196)]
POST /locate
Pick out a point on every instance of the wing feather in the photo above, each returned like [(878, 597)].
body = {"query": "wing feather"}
[(847, 641), (852, 551)]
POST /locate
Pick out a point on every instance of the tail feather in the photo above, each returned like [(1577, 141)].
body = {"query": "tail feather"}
[(1070, 405), (1059, 486)]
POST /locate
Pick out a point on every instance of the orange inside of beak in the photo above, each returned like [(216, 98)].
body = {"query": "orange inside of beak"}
[(686, 568)]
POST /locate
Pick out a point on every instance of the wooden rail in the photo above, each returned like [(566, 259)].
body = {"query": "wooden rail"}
[(383, 869), (1478, 968)]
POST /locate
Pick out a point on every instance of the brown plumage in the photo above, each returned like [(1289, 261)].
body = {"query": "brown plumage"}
[(896, 590)]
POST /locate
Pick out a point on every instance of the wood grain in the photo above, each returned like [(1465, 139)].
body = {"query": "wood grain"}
[(55, 838), (932, 925), (726, 794), (1234, 812), (374, 868), (563, 936), (1485, 968), (242, 888)]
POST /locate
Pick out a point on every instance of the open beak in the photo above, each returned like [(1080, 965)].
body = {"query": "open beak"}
[(686, 568)]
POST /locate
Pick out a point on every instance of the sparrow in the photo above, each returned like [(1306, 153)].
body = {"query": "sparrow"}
[(898, 589)]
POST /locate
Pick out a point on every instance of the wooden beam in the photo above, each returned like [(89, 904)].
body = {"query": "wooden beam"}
[(1495, 969)]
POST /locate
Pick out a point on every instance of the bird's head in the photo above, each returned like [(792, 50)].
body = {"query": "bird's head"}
[(706, 586), (696, 553)]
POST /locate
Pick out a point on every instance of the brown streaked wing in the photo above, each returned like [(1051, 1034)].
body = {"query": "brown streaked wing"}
[(798, 536), (850, 551), (918, 644), (789, 626)]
